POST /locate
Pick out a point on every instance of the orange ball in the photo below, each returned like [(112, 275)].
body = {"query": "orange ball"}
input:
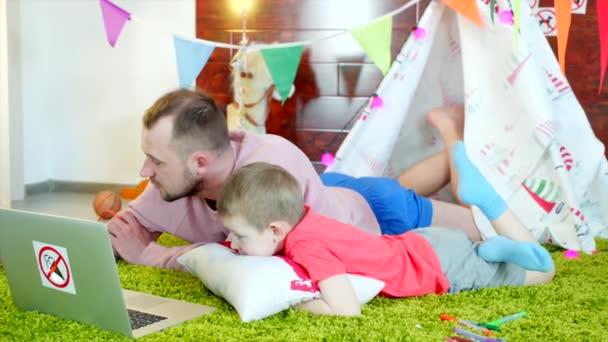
[(106, 204)]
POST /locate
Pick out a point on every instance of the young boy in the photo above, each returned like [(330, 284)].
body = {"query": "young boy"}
[(262, 206)]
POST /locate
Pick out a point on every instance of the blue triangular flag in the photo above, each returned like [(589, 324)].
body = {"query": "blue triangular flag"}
[(191, 57)]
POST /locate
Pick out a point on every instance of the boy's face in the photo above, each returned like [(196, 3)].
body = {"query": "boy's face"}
[(249, 240)]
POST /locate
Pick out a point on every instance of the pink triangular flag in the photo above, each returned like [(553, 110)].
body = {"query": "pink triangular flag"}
[(602, 24), (114, 19)]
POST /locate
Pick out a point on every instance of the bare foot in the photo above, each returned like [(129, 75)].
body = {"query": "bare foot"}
[(448, 120)]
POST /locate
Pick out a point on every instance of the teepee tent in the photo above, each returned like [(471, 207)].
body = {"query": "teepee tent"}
[(525, 129)]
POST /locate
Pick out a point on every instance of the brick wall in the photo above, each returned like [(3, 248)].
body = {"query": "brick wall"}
[(335, 76)]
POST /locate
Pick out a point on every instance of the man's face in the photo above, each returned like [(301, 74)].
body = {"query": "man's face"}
[(163, 164), (248, 240)]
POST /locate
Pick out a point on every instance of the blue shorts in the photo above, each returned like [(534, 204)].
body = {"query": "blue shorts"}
[(397, 209)]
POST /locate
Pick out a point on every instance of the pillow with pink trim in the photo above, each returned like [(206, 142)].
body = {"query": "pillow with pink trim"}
[(258, 287)]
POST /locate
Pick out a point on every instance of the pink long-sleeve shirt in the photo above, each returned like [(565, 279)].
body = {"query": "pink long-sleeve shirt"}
[(191, 219)]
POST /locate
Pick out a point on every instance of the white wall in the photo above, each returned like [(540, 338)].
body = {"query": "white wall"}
[(5, 188), (82, 100)]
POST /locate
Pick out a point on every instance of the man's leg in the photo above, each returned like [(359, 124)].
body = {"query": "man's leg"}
[(516, 244), (449, 121), (454, 216), (428, 176), (433, 173)]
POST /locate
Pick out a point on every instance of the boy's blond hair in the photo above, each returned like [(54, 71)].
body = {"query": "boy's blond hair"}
[(262, 193)]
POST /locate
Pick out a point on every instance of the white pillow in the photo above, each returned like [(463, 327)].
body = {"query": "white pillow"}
[(258, 287)]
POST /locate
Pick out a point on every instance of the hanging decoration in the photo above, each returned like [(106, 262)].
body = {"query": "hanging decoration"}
[(377, 102), (419, 32), (375, 39), (191, 57), (505, 17), (283, 65), (327, 159), (114, 19), (563, 12), (373, 36), (467, 8)]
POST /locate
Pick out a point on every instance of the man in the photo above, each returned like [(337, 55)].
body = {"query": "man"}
[(190, 154)]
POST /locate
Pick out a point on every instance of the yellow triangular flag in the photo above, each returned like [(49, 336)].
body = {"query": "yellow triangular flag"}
[(375, 39)]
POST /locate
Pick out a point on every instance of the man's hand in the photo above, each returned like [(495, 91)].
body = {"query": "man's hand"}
[(129, 238)]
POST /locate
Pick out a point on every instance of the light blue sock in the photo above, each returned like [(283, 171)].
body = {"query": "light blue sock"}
[(528, 255), (473, 188)]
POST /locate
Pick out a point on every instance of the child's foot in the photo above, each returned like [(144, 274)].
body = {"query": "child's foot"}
[(528, 255), (473, 188), (448, 120)]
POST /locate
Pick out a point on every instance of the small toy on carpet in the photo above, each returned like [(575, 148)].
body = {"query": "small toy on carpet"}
[(476, 337), (106, 204), (466, 323), (495, 324), (487, 328)]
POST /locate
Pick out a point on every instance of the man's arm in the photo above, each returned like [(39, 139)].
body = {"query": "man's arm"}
[(137, 245), (337, 298), (129, 237)]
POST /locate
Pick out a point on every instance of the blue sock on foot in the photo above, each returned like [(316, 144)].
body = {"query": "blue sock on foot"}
[(528, 255), (473, 188)]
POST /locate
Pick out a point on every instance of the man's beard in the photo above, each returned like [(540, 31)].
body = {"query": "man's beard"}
[(192, 186)]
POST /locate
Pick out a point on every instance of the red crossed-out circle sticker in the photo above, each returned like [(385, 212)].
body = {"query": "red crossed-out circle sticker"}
[(54, 267), (578, 5), (546, 20), (51, 263), (534, 3)]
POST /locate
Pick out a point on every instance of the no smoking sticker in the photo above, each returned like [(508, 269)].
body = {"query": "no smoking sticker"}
[(54, 267)]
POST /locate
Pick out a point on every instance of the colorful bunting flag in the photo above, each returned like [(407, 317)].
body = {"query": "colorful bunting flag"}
[(563, 13), (191, 57), (283, 64), (375, 39), (114, 19), (602, 24), (467, 8)]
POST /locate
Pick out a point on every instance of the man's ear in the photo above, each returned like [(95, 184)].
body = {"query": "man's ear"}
[(200, 162)]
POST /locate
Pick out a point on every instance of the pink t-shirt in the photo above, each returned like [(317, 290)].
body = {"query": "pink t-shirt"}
[(407, 263), (191, 219)]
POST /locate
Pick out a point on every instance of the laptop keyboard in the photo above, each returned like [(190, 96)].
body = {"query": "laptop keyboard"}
[(140, 319)]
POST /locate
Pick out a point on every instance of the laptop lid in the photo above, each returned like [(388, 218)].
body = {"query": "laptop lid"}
[(64, 267)]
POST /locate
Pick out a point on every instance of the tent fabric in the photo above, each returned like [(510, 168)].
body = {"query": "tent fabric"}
[(524, 128)]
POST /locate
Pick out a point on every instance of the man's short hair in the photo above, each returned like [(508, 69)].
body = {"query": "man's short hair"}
[(262, 193), (199, 122)]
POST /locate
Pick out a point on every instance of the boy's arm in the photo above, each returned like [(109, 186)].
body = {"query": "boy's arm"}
[(337, 298)]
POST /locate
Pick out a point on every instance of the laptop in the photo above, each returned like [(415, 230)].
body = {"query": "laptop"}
[(66, 267)]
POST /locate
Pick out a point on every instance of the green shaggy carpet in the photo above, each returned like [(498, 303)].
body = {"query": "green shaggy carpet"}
[(574, 307)]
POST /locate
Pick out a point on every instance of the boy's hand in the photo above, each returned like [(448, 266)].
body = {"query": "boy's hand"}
[(337, 298)]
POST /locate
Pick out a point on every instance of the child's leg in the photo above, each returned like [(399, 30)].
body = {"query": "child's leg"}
[(522, 248)]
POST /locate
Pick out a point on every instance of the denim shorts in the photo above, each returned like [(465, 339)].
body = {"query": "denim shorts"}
[(397, 209)]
